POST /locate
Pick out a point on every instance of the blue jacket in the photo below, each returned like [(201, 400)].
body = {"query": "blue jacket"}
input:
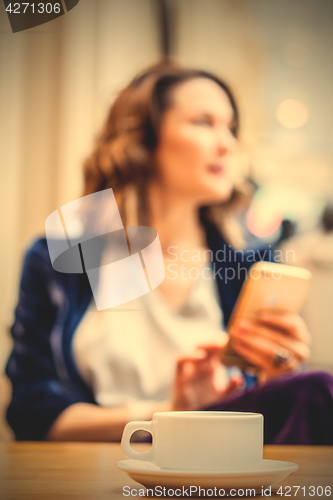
[(44, 377)]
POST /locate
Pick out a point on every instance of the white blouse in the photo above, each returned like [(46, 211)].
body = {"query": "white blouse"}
[(127, 354)]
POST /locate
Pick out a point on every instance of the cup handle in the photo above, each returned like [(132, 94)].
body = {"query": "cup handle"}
[(128, 451)]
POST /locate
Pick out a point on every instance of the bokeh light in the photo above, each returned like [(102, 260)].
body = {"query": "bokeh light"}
[(292, 113), (273, 203)]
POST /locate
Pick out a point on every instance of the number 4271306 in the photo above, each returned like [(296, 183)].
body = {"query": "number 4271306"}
[(41, 8), (312, 491)]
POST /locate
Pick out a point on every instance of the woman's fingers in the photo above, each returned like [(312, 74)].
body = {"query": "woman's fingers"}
[(257, 351), (197, 367), (292, 324), (200, 357), (201, 379), (262, 348), (196, 364), (251, 330), (264, 359), (196, 355), (216, 345)]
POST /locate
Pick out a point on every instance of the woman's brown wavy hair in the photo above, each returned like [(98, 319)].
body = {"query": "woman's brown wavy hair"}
[(122, 158)]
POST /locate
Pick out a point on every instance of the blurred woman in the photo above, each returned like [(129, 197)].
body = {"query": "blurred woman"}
[(167, 150)]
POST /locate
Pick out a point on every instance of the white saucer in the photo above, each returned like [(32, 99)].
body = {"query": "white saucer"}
[(267, 473)]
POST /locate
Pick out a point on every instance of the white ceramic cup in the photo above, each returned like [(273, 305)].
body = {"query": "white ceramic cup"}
[(200, 440)]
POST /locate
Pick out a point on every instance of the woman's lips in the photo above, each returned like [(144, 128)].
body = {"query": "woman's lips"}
[(216, 169)]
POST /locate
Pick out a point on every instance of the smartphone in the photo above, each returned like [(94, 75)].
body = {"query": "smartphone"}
[(269, 286)]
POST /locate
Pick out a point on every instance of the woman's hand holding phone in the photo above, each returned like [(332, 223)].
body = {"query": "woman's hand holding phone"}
[(275, 343)]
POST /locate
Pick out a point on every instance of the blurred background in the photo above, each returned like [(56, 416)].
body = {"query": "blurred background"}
[(58, 80)]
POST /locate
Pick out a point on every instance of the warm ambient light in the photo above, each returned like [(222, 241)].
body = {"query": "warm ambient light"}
[(291, 113)]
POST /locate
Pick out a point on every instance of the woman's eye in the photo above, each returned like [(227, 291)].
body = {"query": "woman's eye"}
[(203, 121)]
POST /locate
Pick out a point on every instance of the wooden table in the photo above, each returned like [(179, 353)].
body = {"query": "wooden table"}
[(87, 471)]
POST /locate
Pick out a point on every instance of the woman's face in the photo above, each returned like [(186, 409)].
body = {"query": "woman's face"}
[(196, 143)]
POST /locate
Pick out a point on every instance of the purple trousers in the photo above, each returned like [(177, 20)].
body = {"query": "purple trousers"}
[(297, 409)]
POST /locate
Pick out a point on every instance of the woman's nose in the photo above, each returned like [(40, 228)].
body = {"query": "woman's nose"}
[(226, 141)]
